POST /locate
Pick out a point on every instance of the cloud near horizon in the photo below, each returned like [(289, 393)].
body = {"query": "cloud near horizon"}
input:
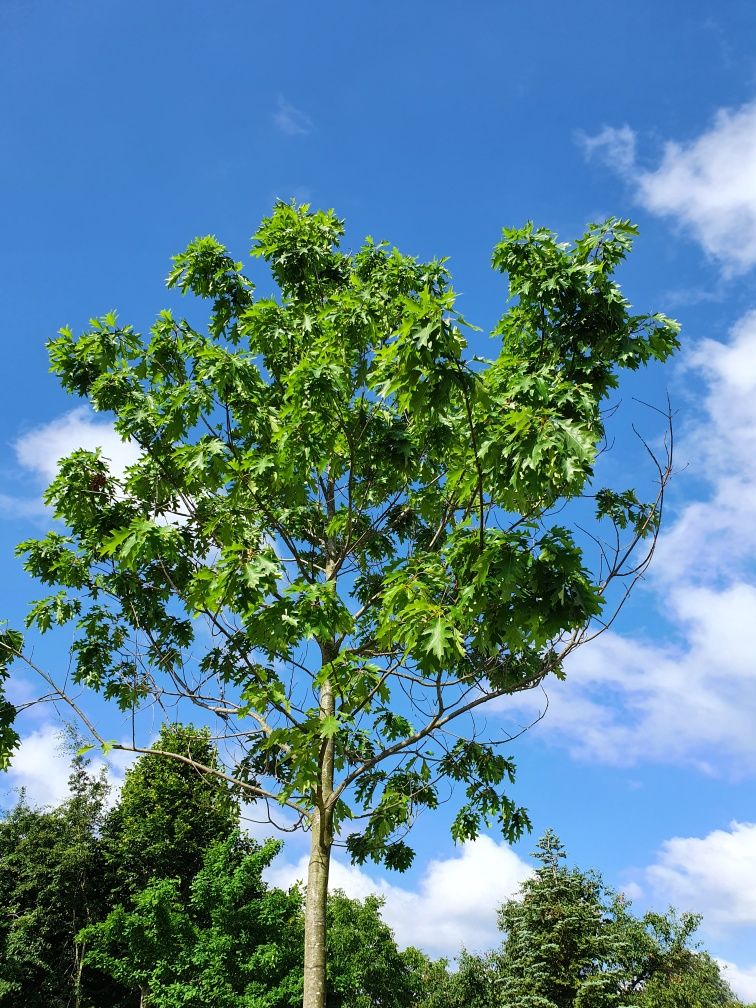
[(454, 904), (715, 874), (42, 764)]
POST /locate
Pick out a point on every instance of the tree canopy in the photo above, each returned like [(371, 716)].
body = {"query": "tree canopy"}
[(52, 884), (168, 813)]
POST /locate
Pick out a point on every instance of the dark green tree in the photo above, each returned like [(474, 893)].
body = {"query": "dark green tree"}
[(53, 883), (473, 984), (571, 943), (676, 975), (360, 512), (430, 978), (365, 967), (168, 813), (555, 938), (234, 943)]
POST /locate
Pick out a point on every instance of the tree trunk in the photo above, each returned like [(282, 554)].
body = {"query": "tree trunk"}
[(320, 861), (79, 951), (315, 915)]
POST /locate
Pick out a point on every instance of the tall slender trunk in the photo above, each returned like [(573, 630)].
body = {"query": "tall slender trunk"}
[(79, 952), (320, 862), (315, 916)]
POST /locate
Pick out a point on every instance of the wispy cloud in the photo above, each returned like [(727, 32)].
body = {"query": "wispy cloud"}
[(614, 145), (22, 507), (454, 904), (291, 120), (706, 185)]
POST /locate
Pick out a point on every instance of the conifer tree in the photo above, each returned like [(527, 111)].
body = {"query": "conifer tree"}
[(569, 942)]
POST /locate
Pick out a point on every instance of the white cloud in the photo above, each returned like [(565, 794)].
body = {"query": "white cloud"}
[(632, 700), (291, 120), (742, 981), (707, 185), (715, 875), (615, 146), (42, 766), (454, 904), (42, 448)]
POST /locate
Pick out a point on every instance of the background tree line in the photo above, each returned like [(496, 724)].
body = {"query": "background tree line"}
[(158, 901)]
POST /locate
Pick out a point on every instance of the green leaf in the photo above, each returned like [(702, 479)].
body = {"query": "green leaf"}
[(329, 726)]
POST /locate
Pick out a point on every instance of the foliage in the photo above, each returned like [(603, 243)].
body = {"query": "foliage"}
[(365, 967), (570, 943), (168, 813), (337, 445), (52, 883), (694, 982), (430, 978), (233, 944), (224, 939), (473, 984), (61, 869), (11, 643)]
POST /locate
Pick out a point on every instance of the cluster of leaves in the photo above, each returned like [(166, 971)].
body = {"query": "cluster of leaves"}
[(332, 466), (11, 643), (229, 944)]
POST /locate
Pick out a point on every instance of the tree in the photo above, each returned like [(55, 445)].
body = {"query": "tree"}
[(168, 813), (473, 984), (556, 942), (232, 944), (360, 514), (365, 967), (64, 867), (52, 883), (571, 943)]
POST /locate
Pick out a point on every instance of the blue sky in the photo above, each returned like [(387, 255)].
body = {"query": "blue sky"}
[(128, 128)]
